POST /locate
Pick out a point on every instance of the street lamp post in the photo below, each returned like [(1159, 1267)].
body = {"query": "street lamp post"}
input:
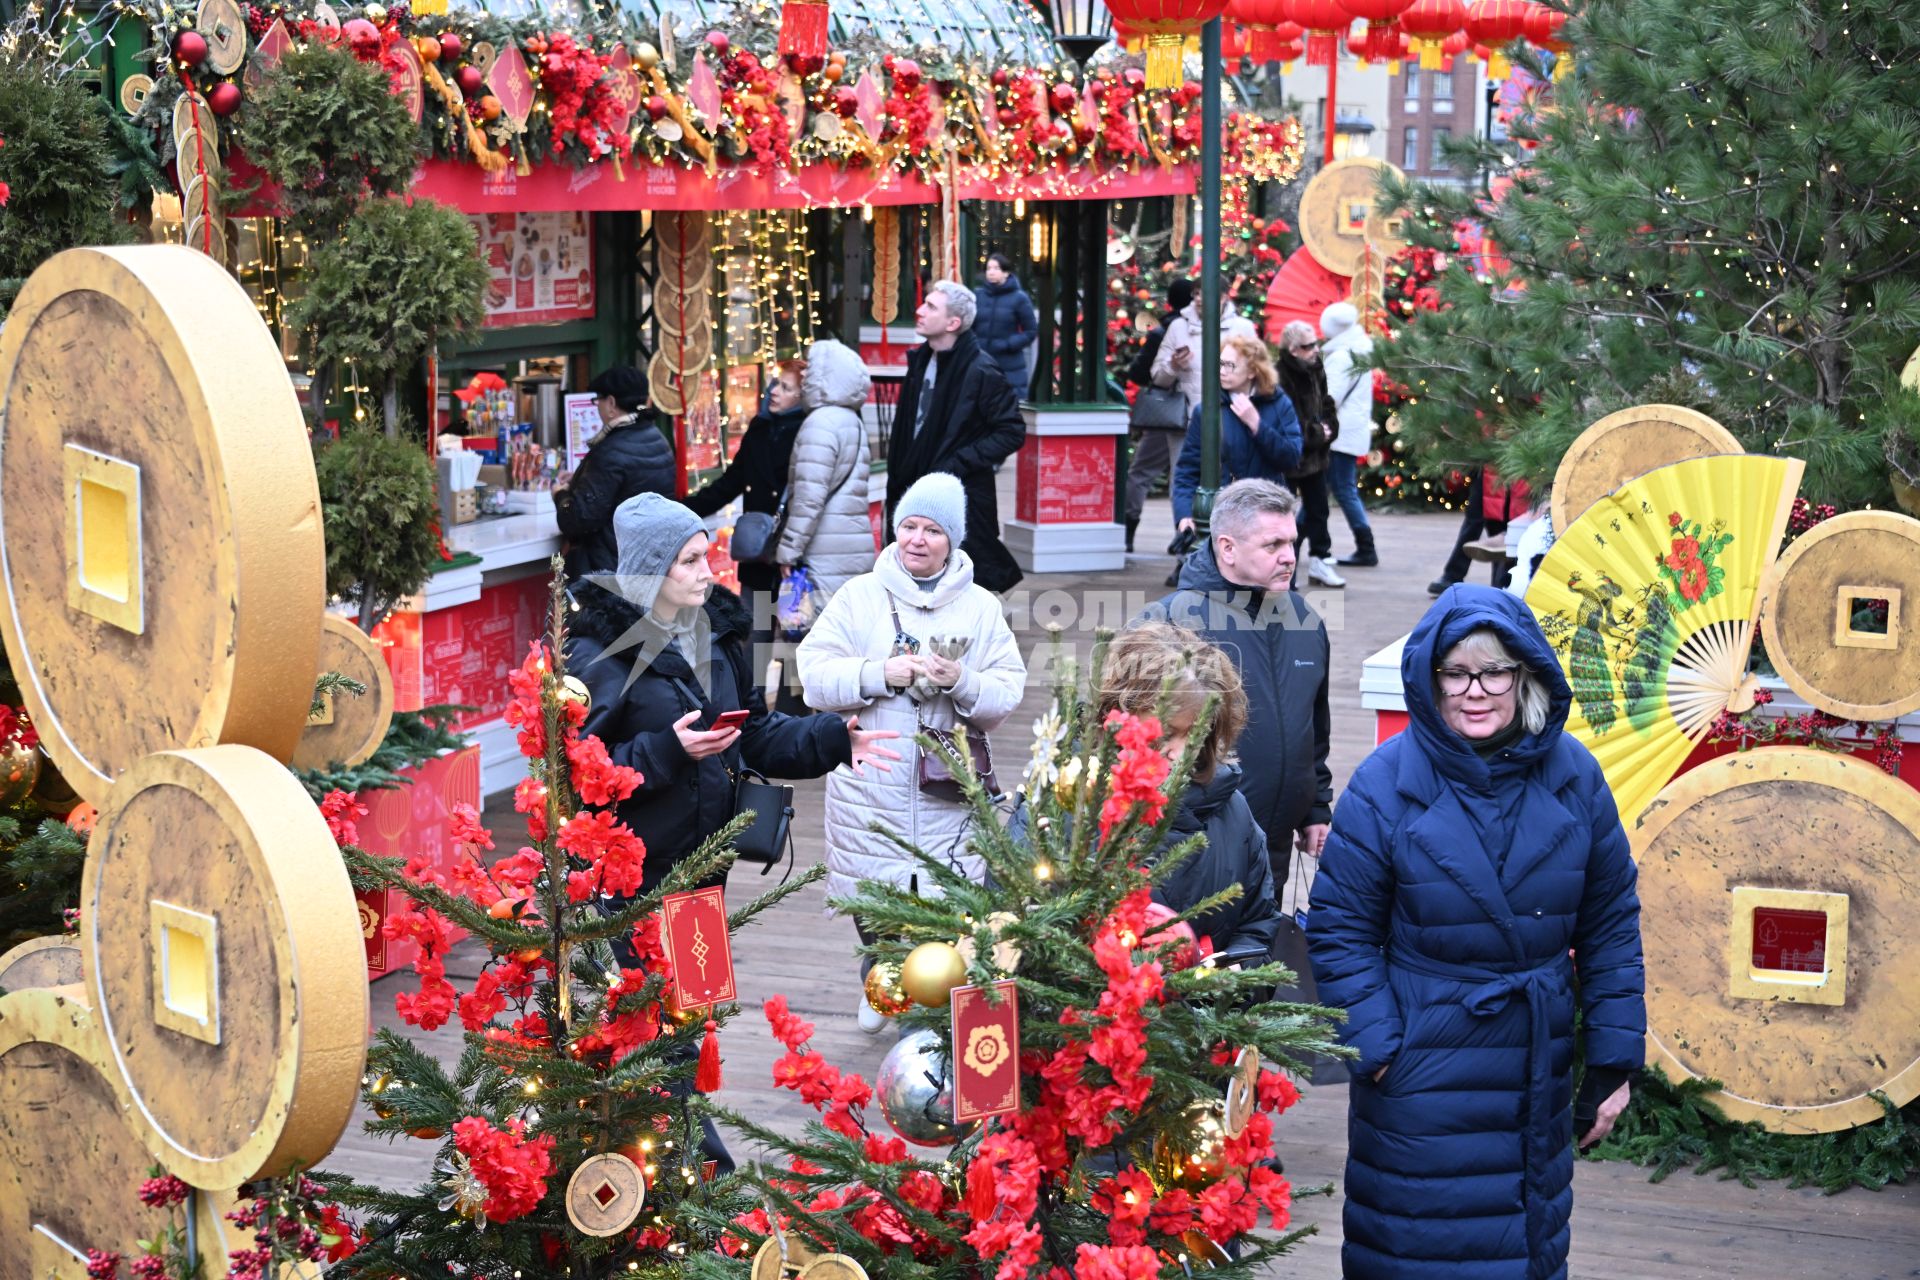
[(1080, 27), (1078, 235), (1210, 143)]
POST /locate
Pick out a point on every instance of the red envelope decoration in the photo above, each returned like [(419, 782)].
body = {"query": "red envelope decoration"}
[(867, 91), (512, 84), (623, 87), (268, 51), (694, 928), (986, 1050), (703, 91)]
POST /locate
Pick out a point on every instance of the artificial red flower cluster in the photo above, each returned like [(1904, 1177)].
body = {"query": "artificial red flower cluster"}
[(1003, 1195), (1138, 774), (1743, 731), (819, 1083), (1119, 133), (906, 117), (511, 1166), (340, 809), (16, 730), (582, 108)]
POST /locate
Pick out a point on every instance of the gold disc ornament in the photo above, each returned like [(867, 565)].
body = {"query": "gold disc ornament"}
[(161, 551), (1839, 614), (1628, 444), (348, 728), (930, 973), (1778, 929), (834, 1266), (225, 30), (1243, 1091), (663, 386), (217, 914), (42, 962), (1341, 222), (770, 1263), (605, 1195)]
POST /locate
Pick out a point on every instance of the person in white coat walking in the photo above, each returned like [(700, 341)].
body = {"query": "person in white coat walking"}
[(871, 652), (827, 527), (1344, 343)]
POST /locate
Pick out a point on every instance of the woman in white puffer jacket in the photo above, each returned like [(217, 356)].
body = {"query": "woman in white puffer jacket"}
[(827, 526), (855, 661)]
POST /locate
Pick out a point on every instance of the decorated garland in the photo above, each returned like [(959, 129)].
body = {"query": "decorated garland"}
[(483, 88)]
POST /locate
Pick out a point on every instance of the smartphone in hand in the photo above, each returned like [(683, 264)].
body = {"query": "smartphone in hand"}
[(731, 719)]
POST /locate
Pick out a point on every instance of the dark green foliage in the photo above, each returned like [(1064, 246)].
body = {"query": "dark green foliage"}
[(377, 499), (134, 166), (382, 289), (414, 738), (328, 130), (1719, 212), (1669, 1126), (40, 861), (59, 163)]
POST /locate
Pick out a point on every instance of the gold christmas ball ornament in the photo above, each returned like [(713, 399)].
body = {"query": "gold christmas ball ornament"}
[(930, 973), (375, 1088), (646, 56), (1200, 1156), (884, 992), (573, 690), (19, 771), (376, 13)]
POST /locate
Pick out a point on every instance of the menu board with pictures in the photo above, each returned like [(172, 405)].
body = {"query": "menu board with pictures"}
[(540, 267)]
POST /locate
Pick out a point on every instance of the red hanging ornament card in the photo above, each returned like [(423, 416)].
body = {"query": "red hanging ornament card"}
[(986, 1046), (694, 928)]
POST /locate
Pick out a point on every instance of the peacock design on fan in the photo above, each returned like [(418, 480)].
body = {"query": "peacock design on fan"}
[(1586, 641)]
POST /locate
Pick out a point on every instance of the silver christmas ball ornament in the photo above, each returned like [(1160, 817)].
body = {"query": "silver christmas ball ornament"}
[(916, 1091)]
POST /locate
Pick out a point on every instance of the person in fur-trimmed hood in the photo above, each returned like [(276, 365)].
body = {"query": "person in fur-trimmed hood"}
[(663, 652)]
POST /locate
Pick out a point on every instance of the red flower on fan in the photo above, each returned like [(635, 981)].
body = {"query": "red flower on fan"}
[(512, 1168)]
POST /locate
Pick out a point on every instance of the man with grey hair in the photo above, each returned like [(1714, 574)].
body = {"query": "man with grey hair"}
[(957, 414), (1236, 591)]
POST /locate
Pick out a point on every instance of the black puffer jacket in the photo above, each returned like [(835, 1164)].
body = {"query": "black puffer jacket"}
[(757, 476), (1236, 853), (973, 424), (628, 458), (683, 801), (1280, 646)]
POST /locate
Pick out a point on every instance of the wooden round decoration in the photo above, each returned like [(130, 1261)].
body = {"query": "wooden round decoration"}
[(1808, 607), (193, 617), (1340, 218), (690, 352), (225, 29), (351, 728), (1627, 444), (835, 1266), (224, 959), (663, 387), (1243, 1090), (133, 93), (605, 1195), (766, 1263), (41, 962), (1747, 857)]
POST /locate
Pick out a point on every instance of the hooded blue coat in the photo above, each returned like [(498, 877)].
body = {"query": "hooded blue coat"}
[(1449, 896)]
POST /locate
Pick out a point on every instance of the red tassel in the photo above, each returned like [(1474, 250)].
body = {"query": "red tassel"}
[(707, 1078), (803, 28)]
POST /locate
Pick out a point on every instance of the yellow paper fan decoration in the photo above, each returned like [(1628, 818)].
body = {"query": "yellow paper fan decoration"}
[(1649, 600)]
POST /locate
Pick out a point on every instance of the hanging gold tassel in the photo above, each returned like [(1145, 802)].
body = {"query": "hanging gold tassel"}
[(1165, 61)]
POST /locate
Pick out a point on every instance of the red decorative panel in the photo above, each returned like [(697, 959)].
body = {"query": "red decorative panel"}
[(1789, 941), (1065, 480)]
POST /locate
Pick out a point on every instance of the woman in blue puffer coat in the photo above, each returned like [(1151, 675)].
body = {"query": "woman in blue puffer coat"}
[(1468, 857), (1006, 324), (1259, 432)]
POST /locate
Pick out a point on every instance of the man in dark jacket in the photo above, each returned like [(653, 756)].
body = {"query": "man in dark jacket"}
[(1234, 591), (630, 456), (957, 414)]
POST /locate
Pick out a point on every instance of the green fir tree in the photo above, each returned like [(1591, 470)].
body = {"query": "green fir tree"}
[(1716, 208)]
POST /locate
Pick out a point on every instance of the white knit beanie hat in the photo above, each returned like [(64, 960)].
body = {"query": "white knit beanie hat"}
[(940, 498)]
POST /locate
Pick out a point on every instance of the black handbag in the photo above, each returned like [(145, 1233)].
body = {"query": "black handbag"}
[(1290, 949), (756, 535), (770, 839), (1159, 409)]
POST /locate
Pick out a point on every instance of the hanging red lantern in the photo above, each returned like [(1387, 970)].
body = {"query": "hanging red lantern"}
[(1234, 46), (1376, 13), (1326, 23), (1258, 20), (1452, 47), (1165, 25), (1497, 24), (1381, 42), (1428, 23), (1543, 32), (803, 29), (1288, 52)]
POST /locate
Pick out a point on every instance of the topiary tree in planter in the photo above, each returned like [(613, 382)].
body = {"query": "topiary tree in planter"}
[(377, 498), (395, 279), (329, 132)]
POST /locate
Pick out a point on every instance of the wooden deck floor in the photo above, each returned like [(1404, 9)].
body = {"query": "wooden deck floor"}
[(1624, 1228)]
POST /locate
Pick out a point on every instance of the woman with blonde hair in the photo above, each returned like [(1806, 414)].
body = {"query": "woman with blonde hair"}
[(1259, 434)]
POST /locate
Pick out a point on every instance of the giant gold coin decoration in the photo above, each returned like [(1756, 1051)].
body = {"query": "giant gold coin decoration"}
[(1627, 444), (1341, 221), (348, 730), (1822, 635), (605, 1194), (161, 549), (1778, 899)]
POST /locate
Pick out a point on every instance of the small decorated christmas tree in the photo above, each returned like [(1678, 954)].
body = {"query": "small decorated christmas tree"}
[(1078, 1090), (571, 1126)]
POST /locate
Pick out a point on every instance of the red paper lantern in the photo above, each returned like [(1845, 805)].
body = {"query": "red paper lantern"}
[(1165, 25), (1497, 24), (1382, 42), (1235, 43), (803, 29), (1376, 13), (1326, 23), (1258, 19), (1543, 32), (1452, 47), (1428, 23)]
